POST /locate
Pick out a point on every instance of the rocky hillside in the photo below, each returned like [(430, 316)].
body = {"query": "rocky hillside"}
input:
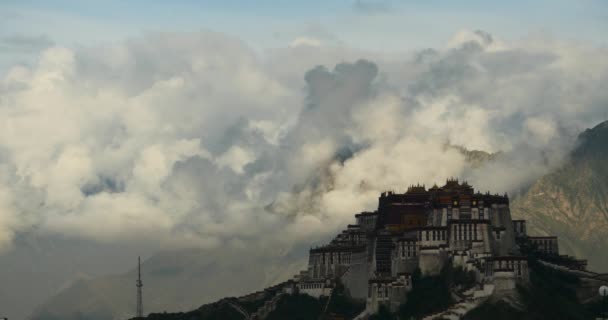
[(476, 158), (572, 202)]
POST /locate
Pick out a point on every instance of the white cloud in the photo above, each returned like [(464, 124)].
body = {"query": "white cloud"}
[(10, 222), (196, 140), (541, 130), (304, 41), (236, 158), (480, 38)]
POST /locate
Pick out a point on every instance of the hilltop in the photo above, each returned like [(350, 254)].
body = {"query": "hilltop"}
[(446, 252)]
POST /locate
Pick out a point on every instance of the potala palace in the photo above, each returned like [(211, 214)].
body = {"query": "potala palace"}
[(424, 230)]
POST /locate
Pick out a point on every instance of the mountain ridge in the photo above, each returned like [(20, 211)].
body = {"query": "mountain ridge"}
[(572, 201)]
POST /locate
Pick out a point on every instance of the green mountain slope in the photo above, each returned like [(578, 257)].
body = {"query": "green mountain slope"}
[(572, 202)]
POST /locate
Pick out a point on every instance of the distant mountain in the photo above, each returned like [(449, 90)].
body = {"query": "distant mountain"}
[(476, 158), (572, 201), (174, 281), (39, 266)]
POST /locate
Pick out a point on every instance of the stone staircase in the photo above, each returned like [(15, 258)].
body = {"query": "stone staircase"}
[(240, 309), (362, 316), (267, 307), (468, 300)]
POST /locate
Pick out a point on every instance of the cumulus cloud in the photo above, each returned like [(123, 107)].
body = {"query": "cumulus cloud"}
[(197, 140), (478, 37)]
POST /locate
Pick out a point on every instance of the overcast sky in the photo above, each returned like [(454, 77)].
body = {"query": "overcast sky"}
[(266, 125)]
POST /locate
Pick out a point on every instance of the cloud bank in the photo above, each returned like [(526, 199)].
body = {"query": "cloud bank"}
[(196, 140)]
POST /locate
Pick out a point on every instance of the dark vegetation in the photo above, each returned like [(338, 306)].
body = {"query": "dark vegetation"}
[(462, 278), (550, 295), (342, 305), (215, 311), (254, 304), (292, 307), (429, 294), (383, 314), (301, 307), (297, 307), (531, 251), (500, 310)]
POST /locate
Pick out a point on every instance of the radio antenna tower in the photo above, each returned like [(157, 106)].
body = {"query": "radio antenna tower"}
[(139, 285)]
